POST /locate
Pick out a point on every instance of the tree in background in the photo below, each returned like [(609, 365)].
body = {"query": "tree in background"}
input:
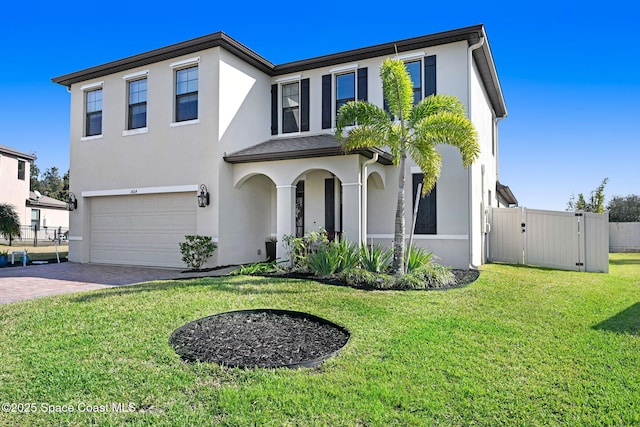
[(49, 183), (414, 131), (624, 209), (595, 203), (9, 221)]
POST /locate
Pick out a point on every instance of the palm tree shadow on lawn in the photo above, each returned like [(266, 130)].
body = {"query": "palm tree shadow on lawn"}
[(625, 322)]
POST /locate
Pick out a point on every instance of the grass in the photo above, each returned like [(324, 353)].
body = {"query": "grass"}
[(521, 346), (37, 253)]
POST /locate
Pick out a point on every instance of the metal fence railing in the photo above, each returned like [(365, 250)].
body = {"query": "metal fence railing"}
[(39, 236)]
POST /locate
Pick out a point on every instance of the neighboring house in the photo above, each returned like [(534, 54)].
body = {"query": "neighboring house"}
[(48, 214), (151, 131)]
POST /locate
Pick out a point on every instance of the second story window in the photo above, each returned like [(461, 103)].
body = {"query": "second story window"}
[(137, 117), (21, 169), (414, 69), (345, 89), (291, 107), (93, 107), (187, 94)]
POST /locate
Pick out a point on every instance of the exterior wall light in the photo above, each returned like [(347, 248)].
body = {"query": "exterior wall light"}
[(203, 197), (72, 203)]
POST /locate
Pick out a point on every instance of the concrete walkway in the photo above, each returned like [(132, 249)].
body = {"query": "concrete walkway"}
[(34, 281)]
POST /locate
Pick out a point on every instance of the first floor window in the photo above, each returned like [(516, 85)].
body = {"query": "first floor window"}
[(93, 108), (426, 219), (137, 104), (22, 166), (291, 107), (187, 94), (35, 218)]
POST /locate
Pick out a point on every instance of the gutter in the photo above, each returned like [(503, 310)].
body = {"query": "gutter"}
[(469, 173)]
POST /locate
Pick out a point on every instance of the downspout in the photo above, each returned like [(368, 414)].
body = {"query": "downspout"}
[(363, 210), (469, 173)]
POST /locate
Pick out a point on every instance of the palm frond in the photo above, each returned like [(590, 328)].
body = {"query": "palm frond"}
[(397, 87), (430, 163), (449, 128), (435, 104)]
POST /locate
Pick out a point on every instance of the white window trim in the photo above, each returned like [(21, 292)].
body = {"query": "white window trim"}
[(343, 68), (137, 131), (184, 123), (408, 56), (289, 79), (185, 62), (137, 75), (91, 138), (92, 86)]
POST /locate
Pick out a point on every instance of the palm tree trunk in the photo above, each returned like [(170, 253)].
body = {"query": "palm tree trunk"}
[(398, 237)]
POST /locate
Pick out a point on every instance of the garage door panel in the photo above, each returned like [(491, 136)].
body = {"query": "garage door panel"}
[(141, 229)]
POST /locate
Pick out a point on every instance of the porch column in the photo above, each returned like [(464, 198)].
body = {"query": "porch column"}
[(352, 211), (285, 216)]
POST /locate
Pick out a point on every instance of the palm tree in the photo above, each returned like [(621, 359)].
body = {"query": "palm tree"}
[(411, 131), (9, 222)]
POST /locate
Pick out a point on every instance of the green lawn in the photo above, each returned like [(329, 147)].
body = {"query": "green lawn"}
[(521, 346)]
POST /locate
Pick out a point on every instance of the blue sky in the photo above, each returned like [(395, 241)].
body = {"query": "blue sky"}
[(569, 70)]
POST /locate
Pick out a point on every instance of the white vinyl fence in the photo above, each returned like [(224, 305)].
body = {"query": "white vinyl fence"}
[(562, 240), (624, 237)]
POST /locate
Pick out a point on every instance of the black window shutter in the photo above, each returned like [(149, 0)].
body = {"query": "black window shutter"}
[(326, 101), (330, 205), (427, 214), (429, 75), (304, 105), (274, 109), (362, 84)]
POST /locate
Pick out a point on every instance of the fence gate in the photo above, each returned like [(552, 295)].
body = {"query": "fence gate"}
[(562, 240)]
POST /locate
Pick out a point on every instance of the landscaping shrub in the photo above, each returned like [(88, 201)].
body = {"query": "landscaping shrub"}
[(360, 278), (347, 253), (257, 268), (324, 262), (299, 248), (375, 258), (196, 250), (437, 276), (418, 258)]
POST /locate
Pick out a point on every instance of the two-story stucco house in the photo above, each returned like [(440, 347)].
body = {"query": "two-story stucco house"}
[(153, 132), (45, 213)]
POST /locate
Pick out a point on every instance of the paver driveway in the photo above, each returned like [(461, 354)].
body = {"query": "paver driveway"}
[(22, 283)]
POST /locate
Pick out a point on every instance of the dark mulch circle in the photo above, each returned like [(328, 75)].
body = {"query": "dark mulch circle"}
[(260, 338)]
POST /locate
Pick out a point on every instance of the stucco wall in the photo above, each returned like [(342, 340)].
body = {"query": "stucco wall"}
[(13, 190)]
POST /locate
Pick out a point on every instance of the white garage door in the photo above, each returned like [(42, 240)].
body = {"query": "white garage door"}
[(141, 230)]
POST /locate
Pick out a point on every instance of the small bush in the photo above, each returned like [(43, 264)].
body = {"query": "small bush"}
[(375, 258), (438, 276), (360, 278), (196, 250), (324, 262), (299, 248), (347, 253), (418, 258), (257, 268)]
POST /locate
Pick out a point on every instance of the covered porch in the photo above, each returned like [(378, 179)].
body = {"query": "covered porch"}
[(312, 185)]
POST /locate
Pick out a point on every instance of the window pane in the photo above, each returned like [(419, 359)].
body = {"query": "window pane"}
[(94, 101), (186, 107), (94, 123), (187, 80), (291, 120), (138, 116), (346, 86), (414, 69)]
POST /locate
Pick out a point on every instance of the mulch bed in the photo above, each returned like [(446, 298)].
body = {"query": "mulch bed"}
[(259, 338)]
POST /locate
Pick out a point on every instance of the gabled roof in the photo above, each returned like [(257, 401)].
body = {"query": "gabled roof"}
[(15, 153), (300, 147), (473, 34), (45, 202)]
